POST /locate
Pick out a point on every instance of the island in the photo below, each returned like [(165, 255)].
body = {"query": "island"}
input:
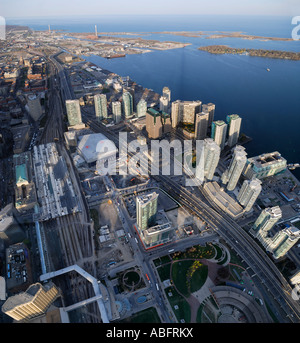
[(224, 49)]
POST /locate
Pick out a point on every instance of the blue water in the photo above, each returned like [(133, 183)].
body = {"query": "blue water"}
[(268, 102)]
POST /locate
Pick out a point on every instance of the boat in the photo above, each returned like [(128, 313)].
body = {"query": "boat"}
[(293, 166), (268, 69), (115, 56)]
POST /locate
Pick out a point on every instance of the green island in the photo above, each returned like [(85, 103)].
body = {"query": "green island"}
[(224, 49)]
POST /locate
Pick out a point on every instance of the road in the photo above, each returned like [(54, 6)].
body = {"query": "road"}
[(231, 232), (228, 229)]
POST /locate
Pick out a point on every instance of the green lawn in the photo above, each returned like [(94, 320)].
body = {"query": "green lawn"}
[(164, 272), (149, 315), (183, 311), (199, 278), (179, 271)]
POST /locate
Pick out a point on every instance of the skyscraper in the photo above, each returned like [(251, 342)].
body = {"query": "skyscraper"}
[(176, 113), (266, 220), (210, 109), (167, 93), (232, 174), (248, 193), (116, 111), (234, 125), (34, 106), (190, 108), (100, 102), (146, 209), (164, 104), (32, 303), (73, 112), (141, 108), (218, 132), (127, 104), (282, 242), (154, 123), (211, 157), (201, 125)]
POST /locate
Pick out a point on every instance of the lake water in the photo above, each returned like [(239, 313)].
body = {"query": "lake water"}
[(268, 102)]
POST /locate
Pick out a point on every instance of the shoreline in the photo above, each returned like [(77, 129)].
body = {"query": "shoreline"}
[(276, 54)]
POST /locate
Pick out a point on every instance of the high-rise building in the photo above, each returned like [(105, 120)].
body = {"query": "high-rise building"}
[(146, 209), (116, 111), (283, 241), (153, 123), (234, 125), (201, 125), (167, 93), (190, 108), (73, 112), (265, 165), (218, 132), (127, 104), (211, 157), (166, 122), (232, 174), (100, 102), (141, 108), (266, 220), (32, 303), (164, 104), (210, 109), (157, 235), (248, 193), (34, 107), (176, 114)]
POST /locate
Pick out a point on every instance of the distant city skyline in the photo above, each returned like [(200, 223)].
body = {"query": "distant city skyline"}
[(35, 8)]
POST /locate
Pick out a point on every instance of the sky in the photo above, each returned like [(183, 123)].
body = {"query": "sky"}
[(49, 8)]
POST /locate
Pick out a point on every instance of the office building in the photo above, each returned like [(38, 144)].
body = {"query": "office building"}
[(265, 165), (100, 102), (157, 235), (231, 176), (283, 241), (146, 209), (116, 107), (73, 112), (32, 303), (127, 104), (218, 132), (34, 107), (248, 193), (141, 108), (211, 157), (266, 220), (153, 123), (210, 109), (234, 125), (201, 125), (25, 193)]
